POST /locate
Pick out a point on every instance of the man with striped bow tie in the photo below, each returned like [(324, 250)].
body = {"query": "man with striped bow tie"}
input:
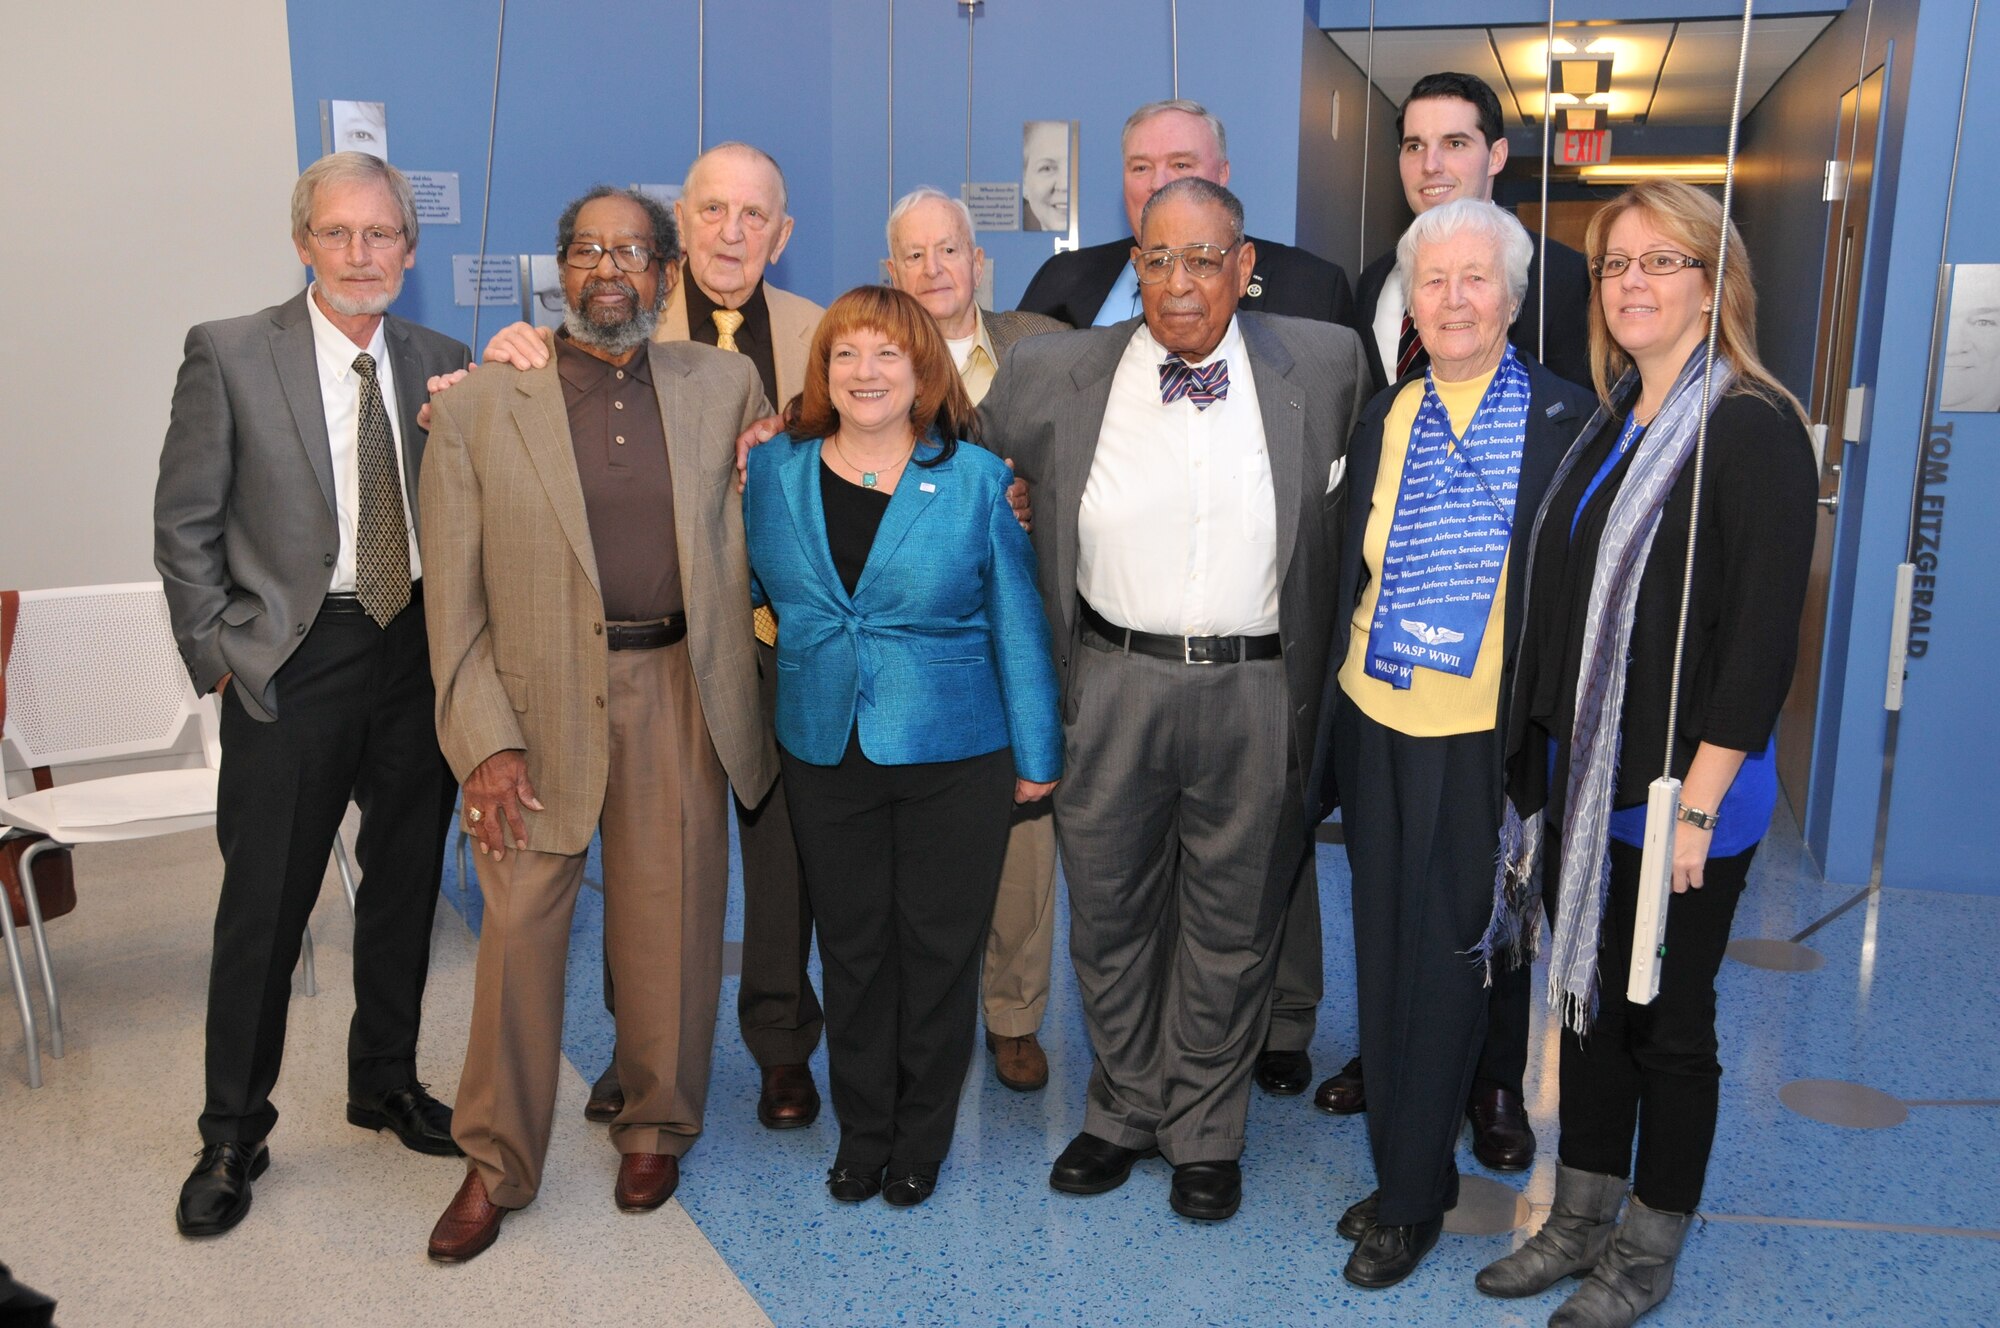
[(1187, 469)]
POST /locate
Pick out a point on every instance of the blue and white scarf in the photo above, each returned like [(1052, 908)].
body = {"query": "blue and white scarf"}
[(1448, 537)]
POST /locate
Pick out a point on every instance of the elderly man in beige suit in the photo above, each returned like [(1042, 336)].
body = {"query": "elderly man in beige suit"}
[(595, 670), (934, 256), (734, 225)]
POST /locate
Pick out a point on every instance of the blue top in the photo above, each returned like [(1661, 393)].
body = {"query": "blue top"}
[(942, 650), (1121, 301), (1746, 808)]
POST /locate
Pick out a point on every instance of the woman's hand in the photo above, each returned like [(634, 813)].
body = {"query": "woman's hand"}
[(1027, 790), (1691, 844)]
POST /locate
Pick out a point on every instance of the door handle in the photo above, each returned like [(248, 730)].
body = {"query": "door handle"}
[(1831, 501)]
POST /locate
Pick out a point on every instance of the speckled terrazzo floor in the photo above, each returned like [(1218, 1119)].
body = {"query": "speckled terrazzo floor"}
[(1809, 1223)]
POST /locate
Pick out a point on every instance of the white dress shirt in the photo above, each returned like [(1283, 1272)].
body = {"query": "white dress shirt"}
[(1178, 530), (340, 398), (1388, 328)]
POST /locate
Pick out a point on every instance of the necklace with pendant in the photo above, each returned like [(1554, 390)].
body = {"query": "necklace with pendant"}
[(871, 479)]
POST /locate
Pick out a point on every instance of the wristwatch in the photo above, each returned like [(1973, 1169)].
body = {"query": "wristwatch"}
[(1697, 818)]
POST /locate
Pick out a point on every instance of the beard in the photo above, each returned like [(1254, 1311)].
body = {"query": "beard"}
[(348, 306), (613, 332)]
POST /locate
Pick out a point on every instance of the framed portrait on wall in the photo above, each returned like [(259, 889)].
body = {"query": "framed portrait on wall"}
[(542, 302), (355, 126), (1970, 380), (1047, 164)]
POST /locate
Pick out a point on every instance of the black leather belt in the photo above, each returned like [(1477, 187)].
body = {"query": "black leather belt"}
[(646, 635), (1186, 649), (346, 604)]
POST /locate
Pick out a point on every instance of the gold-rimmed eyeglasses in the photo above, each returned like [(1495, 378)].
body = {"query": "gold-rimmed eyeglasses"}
[(335, 239), (1203, 262)]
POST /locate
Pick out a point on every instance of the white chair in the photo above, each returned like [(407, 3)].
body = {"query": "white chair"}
[(94, 676)]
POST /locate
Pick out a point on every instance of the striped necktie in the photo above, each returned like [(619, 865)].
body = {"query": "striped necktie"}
[(381, 536), (1410, 353), (1204, 386)]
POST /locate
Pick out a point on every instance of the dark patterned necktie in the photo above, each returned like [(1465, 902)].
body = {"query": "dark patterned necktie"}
[(381, 538), (1204, 386), (1410, 353)]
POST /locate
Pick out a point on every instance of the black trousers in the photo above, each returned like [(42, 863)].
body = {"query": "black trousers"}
[(1422, 826), (1652, 1069), (776, 1008), (355, 721), (902, 863)]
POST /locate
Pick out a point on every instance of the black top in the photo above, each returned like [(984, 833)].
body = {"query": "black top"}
[(753, 338), (1568, 348), (1751, 563), (1072, 286), (853, 514)]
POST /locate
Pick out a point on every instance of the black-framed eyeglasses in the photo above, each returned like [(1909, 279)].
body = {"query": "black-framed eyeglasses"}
[(627, 257), (1203, 262), (1657, 263), (335, 239)]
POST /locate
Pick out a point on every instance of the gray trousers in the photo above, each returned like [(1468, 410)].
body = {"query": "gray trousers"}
[(1181, 825)]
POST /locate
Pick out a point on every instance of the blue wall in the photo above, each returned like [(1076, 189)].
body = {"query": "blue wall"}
[(607, 93)]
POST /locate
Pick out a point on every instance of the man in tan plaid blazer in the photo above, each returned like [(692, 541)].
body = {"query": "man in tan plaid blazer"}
[(582, 683)]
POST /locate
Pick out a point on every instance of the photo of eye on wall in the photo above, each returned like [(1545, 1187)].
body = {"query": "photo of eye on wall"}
[(355, 126), (545, 291), (1971, 378), (1045, 150)]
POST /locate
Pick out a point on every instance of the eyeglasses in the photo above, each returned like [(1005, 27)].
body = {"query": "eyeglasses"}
[(1203, 262), (628, 257), (335, 239), (1658, 263)]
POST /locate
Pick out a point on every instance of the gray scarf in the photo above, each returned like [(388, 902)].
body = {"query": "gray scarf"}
[(1622, 550)]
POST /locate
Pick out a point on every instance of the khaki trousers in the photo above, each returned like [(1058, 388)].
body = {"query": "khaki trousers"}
[(666, 880), (1015, 987)]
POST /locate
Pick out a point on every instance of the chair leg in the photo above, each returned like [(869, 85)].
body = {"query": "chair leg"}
[(29, 1034), (41, 936), (306, 963), (345, 863)]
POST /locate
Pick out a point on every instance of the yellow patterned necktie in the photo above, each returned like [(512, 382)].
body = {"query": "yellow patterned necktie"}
[(726, 322), (762, 621)]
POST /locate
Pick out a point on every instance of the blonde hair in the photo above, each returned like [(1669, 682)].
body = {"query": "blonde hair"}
[(1691, 220)]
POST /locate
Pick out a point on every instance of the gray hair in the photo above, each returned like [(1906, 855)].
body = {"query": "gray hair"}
[(1473, 216), (687, 181), (351, 168), (1185, 107), (1201, 191), (666, 236), (923, 193)]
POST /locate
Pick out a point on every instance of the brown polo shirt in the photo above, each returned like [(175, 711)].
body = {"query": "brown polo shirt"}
[(628, 484)]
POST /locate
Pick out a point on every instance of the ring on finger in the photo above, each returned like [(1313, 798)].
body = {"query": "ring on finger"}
[(474, 815)]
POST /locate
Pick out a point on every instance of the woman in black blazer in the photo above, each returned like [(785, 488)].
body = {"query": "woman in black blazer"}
[(1589, 721)]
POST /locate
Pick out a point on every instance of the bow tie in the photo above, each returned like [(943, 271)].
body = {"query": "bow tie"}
[(1204, 386)]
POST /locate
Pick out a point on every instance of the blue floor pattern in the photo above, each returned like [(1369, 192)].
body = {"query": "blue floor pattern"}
[(1808, 1223)]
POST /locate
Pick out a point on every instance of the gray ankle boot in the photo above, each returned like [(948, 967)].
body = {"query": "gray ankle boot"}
[(1634, 1275), (1570, 1242)]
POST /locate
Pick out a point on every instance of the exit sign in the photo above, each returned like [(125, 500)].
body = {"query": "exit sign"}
[(1583, 147)]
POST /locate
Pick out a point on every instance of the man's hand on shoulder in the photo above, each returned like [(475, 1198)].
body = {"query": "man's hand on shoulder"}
[(522, 345), (1017, 498), (435, 384), (762, 431)]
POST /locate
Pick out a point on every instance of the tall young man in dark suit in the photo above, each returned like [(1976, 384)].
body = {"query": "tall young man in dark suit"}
[(285, 532), (1163, 141), (1452, 145)]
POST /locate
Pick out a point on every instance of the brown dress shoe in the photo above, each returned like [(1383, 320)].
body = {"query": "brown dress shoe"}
[(1019, 1062), (469, 1225), (789, 1100), (607, 1097), (1344, 1094), (1501, 1136), (646, 1180)]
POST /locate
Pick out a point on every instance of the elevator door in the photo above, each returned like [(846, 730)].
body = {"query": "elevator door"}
[(1833, 365)]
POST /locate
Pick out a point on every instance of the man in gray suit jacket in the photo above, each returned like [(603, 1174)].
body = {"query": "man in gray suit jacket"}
[(1187, 470), (285, 533)]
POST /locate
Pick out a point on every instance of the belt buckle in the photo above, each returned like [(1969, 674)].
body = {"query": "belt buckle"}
[(1187, 652)]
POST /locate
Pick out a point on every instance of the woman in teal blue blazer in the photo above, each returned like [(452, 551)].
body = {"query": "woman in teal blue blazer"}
[(916, 705)]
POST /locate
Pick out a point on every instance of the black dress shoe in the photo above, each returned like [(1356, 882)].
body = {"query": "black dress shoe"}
[(1283, 1073), (421, 1121), (607, 1096), (1207, 1191), (909, 1189), (1387, 1255), (1344, 1094), (1501, 1136), (1354, 1223), (853, 1184), (1091, 1165), (216, 1194)]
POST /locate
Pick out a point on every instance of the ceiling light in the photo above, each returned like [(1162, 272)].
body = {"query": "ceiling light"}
[(1572, 119), (1692, 170), (1583, 77)]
